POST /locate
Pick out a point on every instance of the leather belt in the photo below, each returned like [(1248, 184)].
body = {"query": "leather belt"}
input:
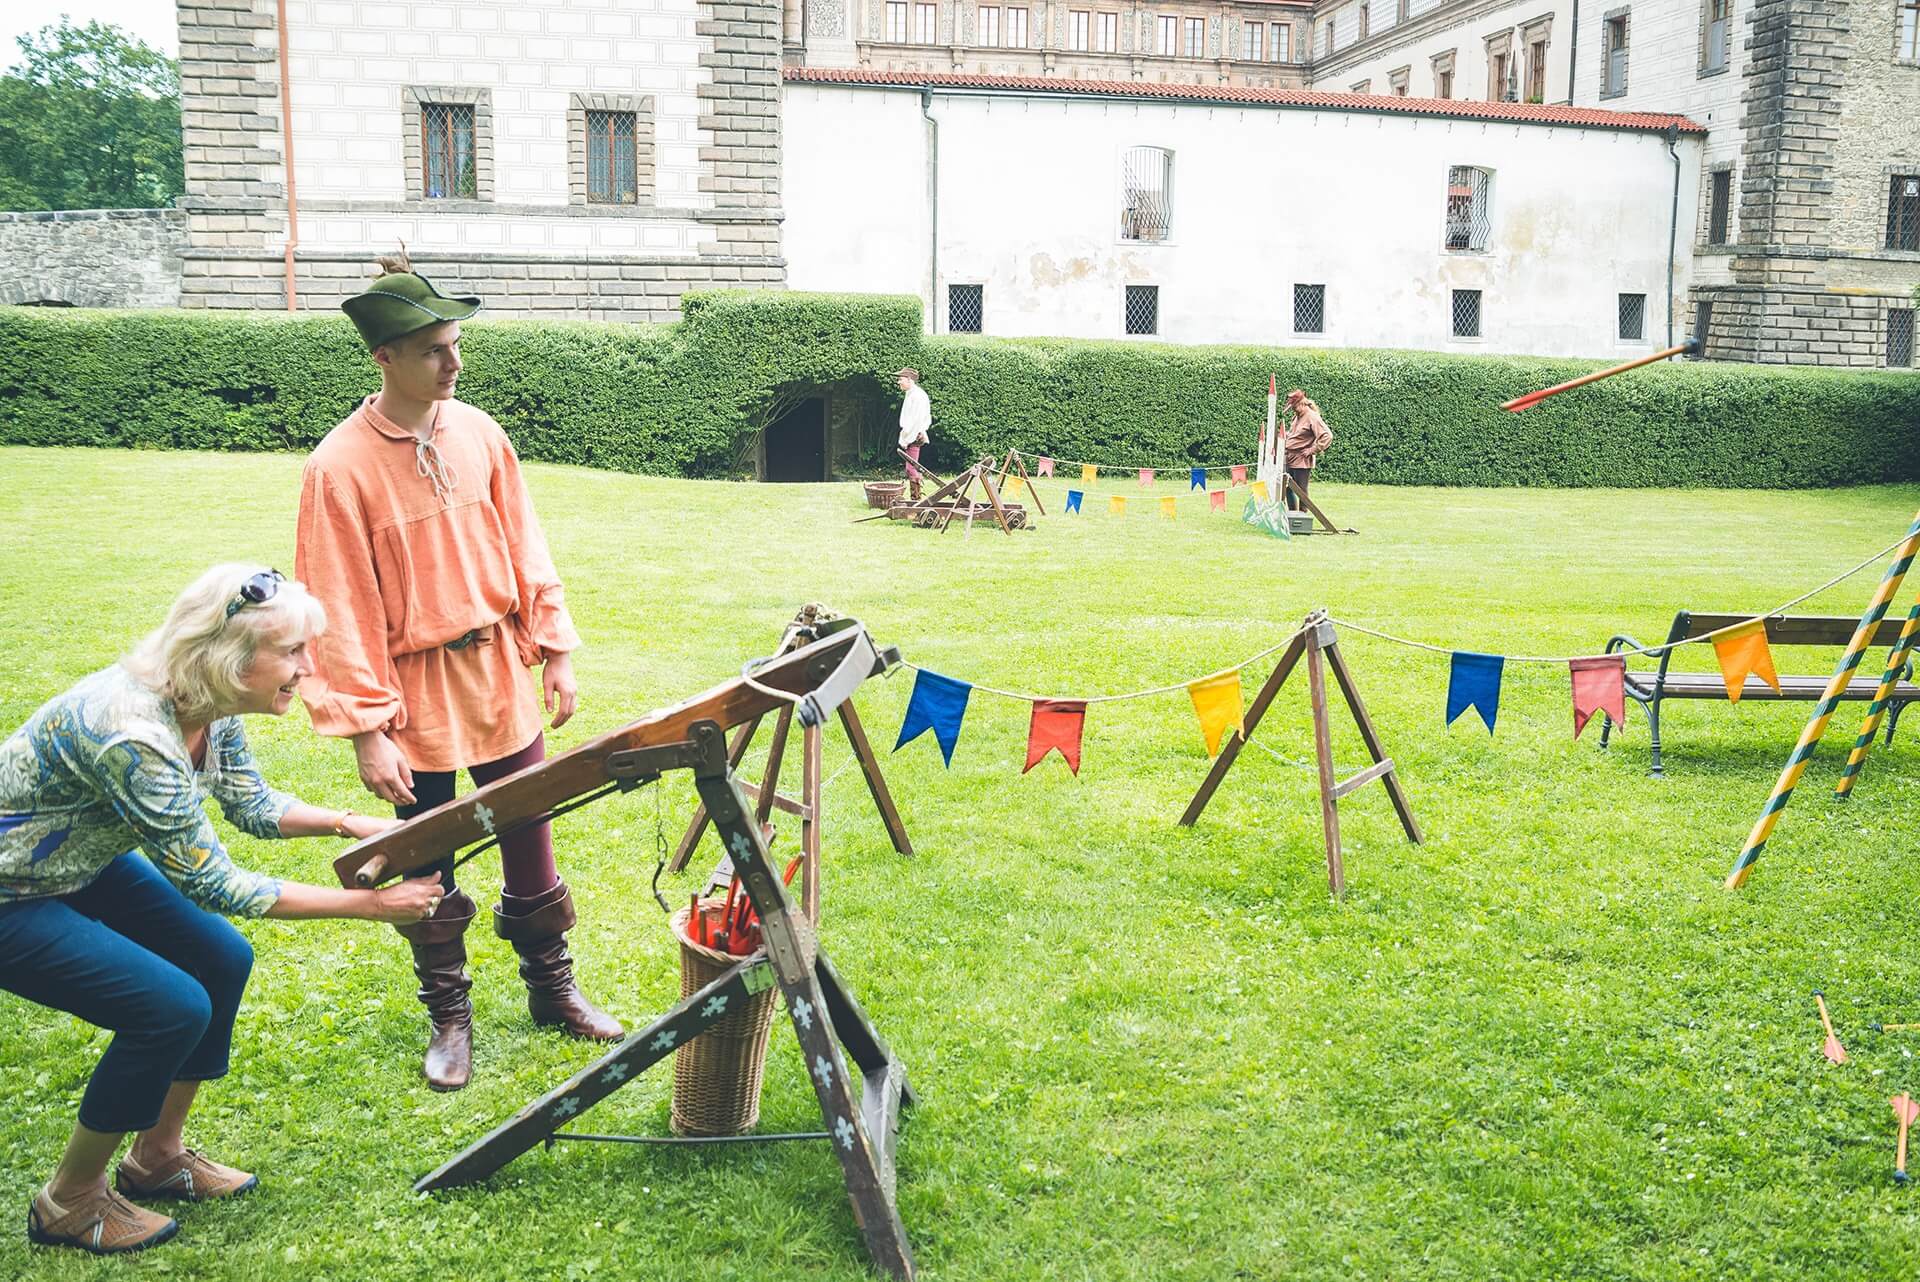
[(473, 636)]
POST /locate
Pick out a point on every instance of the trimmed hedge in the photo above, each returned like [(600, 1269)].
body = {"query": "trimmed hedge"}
[(677, 399)]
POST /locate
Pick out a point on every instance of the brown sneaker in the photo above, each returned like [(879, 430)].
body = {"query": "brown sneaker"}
[(104, 1223), (187, 1176)]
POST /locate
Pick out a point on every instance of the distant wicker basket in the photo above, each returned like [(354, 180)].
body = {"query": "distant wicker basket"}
[(884, 494)]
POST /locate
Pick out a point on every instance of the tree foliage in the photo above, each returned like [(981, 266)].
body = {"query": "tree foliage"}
[(89, 119)]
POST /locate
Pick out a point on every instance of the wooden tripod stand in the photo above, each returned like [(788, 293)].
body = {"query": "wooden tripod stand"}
[(806, 627), (1316, 639), (1326, 522)]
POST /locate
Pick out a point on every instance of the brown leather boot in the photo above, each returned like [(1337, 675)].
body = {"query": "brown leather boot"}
[(536, 927), (440, 962)]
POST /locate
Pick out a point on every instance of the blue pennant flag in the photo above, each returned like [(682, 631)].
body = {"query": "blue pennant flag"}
[(1197, 479), (1073, 500), (937, 704), (1474, 683)]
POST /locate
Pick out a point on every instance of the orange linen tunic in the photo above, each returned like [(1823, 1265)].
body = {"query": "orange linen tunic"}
[(402, 571)]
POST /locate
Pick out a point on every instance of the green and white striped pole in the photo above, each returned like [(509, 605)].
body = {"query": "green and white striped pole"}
[(1875, 710), (1823, 711)]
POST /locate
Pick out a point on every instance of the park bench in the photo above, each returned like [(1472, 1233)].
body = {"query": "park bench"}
[(1650, 689)]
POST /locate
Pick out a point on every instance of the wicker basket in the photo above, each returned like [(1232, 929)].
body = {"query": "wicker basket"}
[(717, 1076), (883, 494)]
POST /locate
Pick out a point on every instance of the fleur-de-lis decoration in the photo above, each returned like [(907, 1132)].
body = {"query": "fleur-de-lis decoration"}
[(823, 1069), (483, 817), (715, 1005), (803, 1013), (843, 1131), (566, 1108), (665, 1041), (615, 1074), (742, 846)]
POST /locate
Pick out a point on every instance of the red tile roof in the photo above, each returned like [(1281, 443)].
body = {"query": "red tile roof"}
[(1449, 108)]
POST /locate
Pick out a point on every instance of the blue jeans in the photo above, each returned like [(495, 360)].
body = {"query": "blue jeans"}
[(130, 953)]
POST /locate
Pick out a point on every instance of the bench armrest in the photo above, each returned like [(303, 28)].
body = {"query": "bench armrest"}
[(1621, 641)]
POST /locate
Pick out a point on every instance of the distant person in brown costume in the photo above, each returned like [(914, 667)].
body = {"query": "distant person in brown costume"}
[(1307, 439)]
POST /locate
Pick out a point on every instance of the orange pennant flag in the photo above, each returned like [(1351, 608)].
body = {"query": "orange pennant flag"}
[(1599, 685), (1744, 651), (1056, 723), (1217, 500), (1146, 476)]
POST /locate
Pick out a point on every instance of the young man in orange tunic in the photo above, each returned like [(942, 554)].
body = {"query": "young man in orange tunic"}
[(418, 535)]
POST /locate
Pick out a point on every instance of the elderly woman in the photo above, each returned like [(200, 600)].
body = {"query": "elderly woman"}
[(88, 926)]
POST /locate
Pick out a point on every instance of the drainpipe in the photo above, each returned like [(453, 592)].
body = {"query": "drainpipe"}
[(1573, 54), (933, 208), (1673, 222), (286, 135)]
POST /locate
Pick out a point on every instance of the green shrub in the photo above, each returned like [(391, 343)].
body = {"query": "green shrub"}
[(678, 399)]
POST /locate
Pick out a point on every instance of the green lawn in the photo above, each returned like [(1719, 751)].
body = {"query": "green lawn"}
[(1546, 1044)]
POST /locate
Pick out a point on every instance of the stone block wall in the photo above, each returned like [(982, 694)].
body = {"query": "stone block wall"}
[(93, 257)]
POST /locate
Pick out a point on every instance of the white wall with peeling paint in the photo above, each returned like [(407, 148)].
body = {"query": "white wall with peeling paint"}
[(1264, 198)]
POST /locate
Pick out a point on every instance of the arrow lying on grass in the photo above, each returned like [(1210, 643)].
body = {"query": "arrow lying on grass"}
[(1832, 1049), (1905, 1109)]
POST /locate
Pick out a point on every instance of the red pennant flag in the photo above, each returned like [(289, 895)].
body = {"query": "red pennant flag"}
[(1146, 476), (1238, 475), (1046, 467), (1599, 685), (1056, 723), (1217, 500)]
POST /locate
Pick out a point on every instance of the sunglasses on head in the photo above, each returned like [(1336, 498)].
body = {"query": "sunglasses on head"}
[(256, 591)]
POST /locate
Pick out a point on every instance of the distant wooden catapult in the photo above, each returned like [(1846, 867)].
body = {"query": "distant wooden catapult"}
[(939, 509), (1315, 639)]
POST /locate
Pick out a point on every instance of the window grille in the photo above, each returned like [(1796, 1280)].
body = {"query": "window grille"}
[(1909, 42), (1078, 21), (1466, 313), (966, 308), (926, 24), (897, 21), (1469, 217), (1633, 318), (1713, 56), (990, 25), (1016, 28), (1196, 37), (1143, 309), (1616, 56), (1702, 325), (1255, 50), (1106, 33), (1309, 309), (1719, 206), (1146, 202), (1903, 212), (447, 151), (1282, 42), (1900, 338), (612, 157)]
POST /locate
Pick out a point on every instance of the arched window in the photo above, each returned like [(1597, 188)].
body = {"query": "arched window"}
[(1146, 193)]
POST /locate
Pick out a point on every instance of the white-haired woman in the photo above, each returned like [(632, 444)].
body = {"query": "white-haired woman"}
[(124, 760)]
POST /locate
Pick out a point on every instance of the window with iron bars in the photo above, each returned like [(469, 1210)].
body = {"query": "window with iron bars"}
[(1903, 212), (446, 138), (1309, 309), (612, 157), (1469, 213), (1143, 309), (1466, 313), (1900, 338), (1146, 193), (1719, 205), (1615, 58), (1633, 318), (966, 308), (1702, 326)]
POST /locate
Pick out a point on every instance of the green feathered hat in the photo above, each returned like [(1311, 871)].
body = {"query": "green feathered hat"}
[(401, 301)]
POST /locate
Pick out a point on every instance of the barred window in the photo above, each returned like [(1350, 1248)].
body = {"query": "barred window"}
[(1106, 33), (897, 21), (1016, 28), (1713, 49), (1633, 318), (1702, 326), (1719, 205), (1078, 21), (1256, 42), (990, 25), (1146, 193), (1169, 29), (1469, 209), (1196, 37), (1900, 338), (446, 137), (966, 308), (1614, 61), (1282, 44), (926, 24), (1309, 309), (1143, 309), (1903, 212), (1466, 313), (612, 157)]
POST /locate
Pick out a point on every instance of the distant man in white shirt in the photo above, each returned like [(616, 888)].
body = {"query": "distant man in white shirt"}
[(916, 416)]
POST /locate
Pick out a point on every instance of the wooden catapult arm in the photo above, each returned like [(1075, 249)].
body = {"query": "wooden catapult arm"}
[(815, 679)]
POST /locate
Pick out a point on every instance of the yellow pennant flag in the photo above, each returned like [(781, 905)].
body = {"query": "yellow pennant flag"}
[(1166, 508), (1117, 504), (1743, 651), (1216, 701), (1260, 490), (1089, 474), (1010, 486)]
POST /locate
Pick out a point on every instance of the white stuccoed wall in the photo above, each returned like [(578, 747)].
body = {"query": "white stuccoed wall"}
[(350, 59), (1263, 198)]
